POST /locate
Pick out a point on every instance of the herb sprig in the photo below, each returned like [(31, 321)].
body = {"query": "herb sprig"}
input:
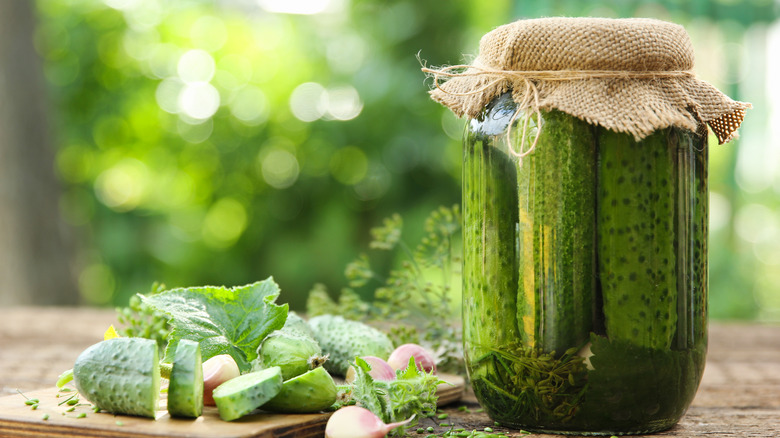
[(141, 320), (416, 297), (412, 393)]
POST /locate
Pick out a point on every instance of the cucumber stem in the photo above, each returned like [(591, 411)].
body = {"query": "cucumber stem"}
[(64, 378), (165, 370)]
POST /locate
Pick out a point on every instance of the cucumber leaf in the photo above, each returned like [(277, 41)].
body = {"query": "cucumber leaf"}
[(223, 320)]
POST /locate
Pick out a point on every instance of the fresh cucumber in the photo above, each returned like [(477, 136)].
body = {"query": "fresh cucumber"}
[(296, 324), (294, 352), (120, 375), (242, 395), (292, 348), (185, 392), (310, 392), (342, 339)]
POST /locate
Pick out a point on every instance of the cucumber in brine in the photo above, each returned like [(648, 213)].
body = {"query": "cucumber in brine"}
[(636, 237), (489, 234), (701, 219), (556, 185)]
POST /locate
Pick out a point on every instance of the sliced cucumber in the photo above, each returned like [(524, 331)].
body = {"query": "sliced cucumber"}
[(185, 392), (310, 392), (242, 395), (120, 375)]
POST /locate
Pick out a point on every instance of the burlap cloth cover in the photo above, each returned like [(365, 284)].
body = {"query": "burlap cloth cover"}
[(628, 75)]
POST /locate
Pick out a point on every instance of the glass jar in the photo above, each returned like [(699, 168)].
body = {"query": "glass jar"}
[(585, 273)]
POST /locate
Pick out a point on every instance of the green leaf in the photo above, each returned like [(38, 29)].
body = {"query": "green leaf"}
[(223, 320), (369, 393)]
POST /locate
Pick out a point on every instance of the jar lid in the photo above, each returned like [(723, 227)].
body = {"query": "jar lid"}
[(629, 75)]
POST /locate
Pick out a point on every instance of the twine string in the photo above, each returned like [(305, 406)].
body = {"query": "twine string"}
[(548, 75), (531, 93)]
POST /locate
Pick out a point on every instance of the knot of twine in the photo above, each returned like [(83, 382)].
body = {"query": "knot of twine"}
[(531, 93)]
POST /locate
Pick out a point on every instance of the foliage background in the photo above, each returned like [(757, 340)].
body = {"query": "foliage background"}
[(203, 142)]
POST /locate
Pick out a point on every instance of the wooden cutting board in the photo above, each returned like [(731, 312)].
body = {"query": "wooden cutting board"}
[(19, 420)]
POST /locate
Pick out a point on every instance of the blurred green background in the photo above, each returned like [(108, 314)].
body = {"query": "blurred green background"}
[(220, 142)]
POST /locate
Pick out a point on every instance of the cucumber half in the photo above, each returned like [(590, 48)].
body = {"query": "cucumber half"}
[(185, 392), (310, 392), (242, 395), (120, 375)]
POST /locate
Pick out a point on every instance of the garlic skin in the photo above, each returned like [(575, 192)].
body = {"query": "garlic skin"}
[(216, 371), (357, 422), (399, 358), (380, 370)]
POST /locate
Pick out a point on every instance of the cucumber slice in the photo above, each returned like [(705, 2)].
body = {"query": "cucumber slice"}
[(242, 395), (310, 392), (185, 392), (120, 375)]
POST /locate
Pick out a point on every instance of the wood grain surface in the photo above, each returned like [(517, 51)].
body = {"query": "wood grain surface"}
[(739, 395), (18, 419)]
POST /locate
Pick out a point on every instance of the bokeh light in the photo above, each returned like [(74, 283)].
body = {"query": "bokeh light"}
[(344, 102), (209, 33), (720, 212), (309, 101), (224, 223), (280, 168), (756, 223), (198, 100), (306, 7), (196, 66), (122, 186), (249, 105), (349, 165)]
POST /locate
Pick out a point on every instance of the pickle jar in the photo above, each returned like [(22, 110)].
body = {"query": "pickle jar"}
[(585, 273), (585, 239)]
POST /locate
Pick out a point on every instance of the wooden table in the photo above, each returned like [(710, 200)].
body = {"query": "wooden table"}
[(739, 395)]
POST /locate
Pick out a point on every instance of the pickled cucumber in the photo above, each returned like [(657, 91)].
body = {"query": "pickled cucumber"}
[(490, 218), (556, 235), (637, 237)]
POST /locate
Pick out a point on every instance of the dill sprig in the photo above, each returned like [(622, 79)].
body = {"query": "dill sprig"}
[(142, 321), (415, 298)]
